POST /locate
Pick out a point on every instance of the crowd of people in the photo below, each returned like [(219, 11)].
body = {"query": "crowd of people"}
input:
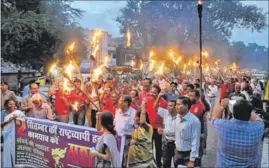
[(169, 117)]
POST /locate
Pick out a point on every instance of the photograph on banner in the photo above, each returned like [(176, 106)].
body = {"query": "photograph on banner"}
[(43, 143)]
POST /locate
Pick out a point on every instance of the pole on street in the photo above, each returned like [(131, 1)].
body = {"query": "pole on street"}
[(200, 9)]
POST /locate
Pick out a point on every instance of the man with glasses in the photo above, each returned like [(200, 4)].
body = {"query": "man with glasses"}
[(27, 104)]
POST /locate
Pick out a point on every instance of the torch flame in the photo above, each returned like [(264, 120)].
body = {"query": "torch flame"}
[(151, 54), (96, 41), (171, 54), (96, 73), (151, 65), (184, 67), (106, 61), (52, 68), (141, 66), (205, 54), (128, 38), (69, 69), (178, 60), (72, 46), (132, 63), (65, 86), (75, 106), (95, 50), (199, 2), (160, 71)]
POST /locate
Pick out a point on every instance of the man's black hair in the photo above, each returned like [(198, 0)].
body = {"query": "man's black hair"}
[(128, 99), (173, 83), (185, 101), (242, 110), (148, 79), (197, 85), (157, 87), (191, 86)]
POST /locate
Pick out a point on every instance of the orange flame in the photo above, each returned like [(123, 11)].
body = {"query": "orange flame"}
[(128, 38), (151, 54), (132, 63), (52, 68), (69, 69), (75, 106), (72, 46), (160, 71)]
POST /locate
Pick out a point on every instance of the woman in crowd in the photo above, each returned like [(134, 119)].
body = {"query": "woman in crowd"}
[(140, 151), (106, 153), (136, 102), (9, 115)]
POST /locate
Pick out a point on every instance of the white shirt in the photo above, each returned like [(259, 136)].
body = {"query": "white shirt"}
[(124, 122), (188, 131), (169, 124), (96, 103), (256, 89), (213, 91)]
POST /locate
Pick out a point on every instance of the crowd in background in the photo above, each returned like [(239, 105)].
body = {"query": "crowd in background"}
[(169, 117)]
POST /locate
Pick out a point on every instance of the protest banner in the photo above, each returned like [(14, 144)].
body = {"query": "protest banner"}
[(44, 143)]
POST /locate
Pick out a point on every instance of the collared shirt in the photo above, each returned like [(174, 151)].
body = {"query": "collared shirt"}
[(27, 102), (197, 109), (169, 123), (43, 112), (237, 96), (238, 142), (7, 95), (212, 91), (124, 122), (171, 96), (188, 131)]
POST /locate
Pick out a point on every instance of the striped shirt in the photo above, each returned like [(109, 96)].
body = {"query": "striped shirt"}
[(238, 142)]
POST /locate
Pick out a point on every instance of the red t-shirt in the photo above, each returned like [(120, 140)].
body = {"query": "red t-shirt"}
[(77, 96), (143, 95), (107, 105), (197, 109), (224, 91), (60, 107), (154, 119), (183, 92), (136, 104)]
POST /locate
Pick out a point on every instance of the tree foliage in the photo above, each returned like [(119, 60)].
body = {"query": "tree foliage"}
[(34, 31), (161, 23)]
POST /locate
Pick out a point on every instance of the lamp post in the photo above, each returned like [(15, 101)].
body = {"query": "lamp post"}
[(200, 9)]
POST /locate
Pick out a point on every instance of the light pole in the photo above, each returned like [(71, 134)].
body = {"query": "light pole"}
[(200, 9)]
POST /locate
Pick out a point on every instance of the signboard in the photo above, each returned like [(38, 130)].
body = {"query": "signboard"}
[(44, 143)]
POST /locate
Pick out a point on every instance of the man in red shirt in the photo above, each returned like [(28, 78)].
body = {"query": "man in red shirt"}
[(224, 90), (61, 103), (154, 101), (111, 104), (146, 85), (197, 107), (76, 96)]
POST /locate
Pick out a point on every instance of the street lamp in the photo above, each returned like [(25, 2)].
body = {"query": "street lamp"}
[(200, 9)]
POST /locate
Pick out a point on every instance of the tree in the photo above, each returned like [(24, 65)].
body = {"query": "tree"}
[(162, 23), (237, 51), (34, 30)]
